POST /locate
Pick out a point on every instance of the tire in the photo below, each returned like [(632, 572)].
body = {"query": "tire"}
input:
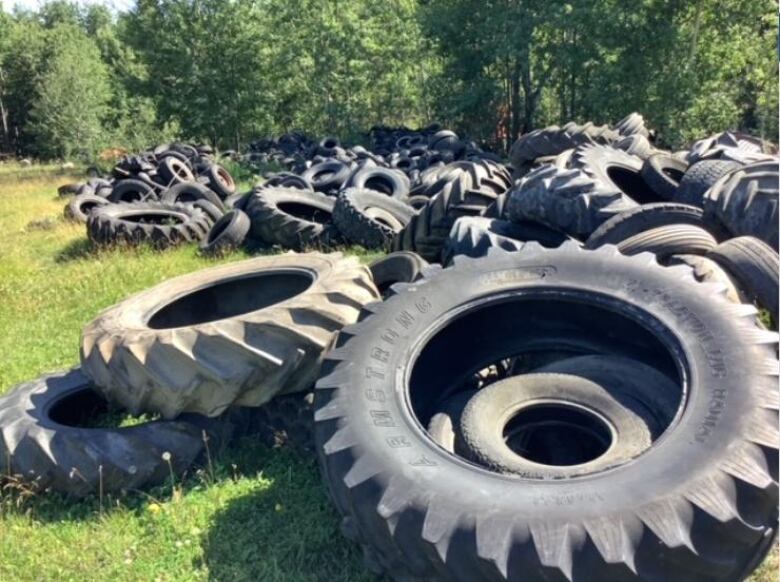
[(662, 173), (568, 201), (43, 443), (236, 334), (642, 218), (726, 145), (237, 201), (398, 267), (632, 124), (745, 202), (327, 177), (636, 145), (699, 178), (393, 183), (174, 171), (554, 140), (672, 239), (69, 189), (497, 208), (754, 265), (132, 190), (79, 207), (147, 222), (616, 169), (220, 181), (708, 271), (444, 426), (212, 212), (294, 219), (185, 192), (228, 233), (422, 513), (370, 218)]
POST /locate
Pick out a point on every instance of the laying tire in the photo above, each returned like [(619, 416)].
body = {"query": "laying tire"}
[(370, 218), (132, 190), (553, 140), (174, 171), (47, 440), (213, 213), (635, 145), (79, 207), (161, 225), (632, 124), (745, 202), (726, 145), (327, 177), (390, 182), (568, 201), (219, 180), (287, 180), (69, 189), (662, 174), (423, 513), (228, 233), (398, 267), (708, 271), (294, 219), (672, 239), (754, 265), (642, 218), (190, 192), (235, 334), (616, 169), (699, 178)]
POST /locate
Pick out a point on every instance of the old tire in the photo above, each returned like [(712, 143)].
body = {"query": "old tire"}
[(233, 334), (473, 236), (174, 171), (662, 174), (370, 218), (745, 202), (390, 182), (132, 190), (444, 426), (42, 442), (397, 267), (79, 207), (327, 177), (294, 219), (642, 218), (665, 241), (423, 513), (219, 180), (161, 225), (190, 192), (699, 178), (228, 233), (754, 265), (708, 271), (616, 169)]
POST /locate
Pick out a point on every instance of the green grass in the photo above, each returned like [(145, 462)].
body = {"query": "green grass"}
[(263, 516)]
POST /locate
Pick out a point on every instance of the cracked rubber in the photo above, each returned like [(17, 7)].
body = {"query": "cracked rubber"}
[(422, 514), (234, 334), (40, 440), (123, 223)]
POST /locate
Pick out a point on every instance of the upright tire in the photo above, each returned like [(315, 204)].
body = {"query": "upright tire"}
[(370, 218), (233, 334), (423, 513)]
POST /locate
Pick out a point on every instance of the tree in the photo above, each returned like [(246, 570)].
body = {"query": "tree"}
[(72, 95)]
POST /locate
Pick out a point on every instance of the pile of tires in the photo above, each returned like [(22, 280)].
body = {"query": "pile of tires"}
[(560, 372), (171, 194)]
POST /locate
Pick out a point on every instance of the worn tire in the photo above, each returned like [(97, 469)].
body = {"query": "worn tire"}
[(672, 239), (632, 124), (125, 224), (745, 202), (79, 207), (327, 177), (708, 271), (616, 169), (132, 190), (235, 334), (398, 267), (370, 218), (388, 181), (186, 192), (219, 180), (754, 265), (642, 218), (568, 201), (662, 174), (309, 222), (174, 171), (699, 178), (40, 440), (228, 233), (423, 514)]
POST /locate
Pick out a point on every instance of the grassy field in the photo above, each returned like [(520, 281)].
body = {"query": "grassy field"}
[(263, 516)]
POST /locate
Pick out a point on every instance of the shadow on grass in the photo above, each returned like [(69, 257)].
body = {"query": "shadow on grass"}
[(76, 250), (286, 531)]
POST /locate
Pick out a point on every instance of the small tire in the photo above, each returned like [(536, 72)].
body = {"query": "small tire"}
[(370, 218), (390, 182), (754, 265), (616, 169), (132, 190), (79, 207), (397, 267), (228, 233), (699, 178), (672, 239), (40, 440), (327, 177), (185, 192), (662, 174), (174, 171), (220, 181)]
